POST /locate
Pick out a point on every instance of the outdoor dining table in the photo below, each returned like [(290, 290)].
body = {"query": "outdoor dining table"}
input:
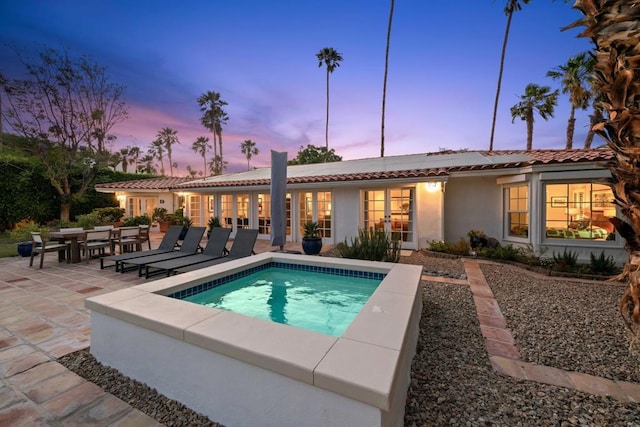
[(72, 237)]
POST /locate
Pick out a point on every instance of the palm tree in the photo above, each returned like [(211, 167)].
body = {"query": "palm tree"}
[(156, 151), (249, 149), (200, 146), (538, 99), (124, 158), (511, 6), (146, 163), (331, 58), (167, 137), (574, 77), (134, 155), (384, 85), (192, 172), (217, 165), (213, 117), (612, 26)]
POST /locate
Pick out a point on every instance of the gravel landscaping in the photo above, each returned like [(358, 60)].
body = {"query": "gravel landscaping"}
[(572, 325)]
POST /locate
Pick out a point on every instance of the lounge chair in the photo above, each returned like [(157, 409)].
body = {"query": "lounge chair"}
[(40, 246), (190, 246), (166, 245), (242, 247), (215, 248)]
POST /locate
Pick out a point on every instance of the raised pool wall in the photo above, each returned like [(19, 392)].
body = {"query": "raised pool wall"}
[(243, 371)]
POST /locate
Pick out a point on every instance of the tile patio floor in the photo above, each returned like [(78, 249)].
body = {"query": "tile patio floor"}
[(42, 317)]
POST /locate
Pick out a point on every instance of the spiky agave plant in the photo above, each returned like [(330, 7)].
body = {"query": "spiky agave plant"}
[(614, 28)]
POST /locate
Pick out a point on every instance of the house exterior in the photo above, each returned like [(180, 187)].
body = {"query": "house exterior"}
[(547, 199)]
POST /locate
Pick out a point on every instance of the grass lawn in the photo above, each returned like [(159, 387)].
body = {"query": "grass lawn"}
[(7, 246)]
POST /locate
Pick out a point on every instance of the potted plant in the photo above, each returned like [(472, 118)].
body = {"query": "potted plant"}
[(179, 218), (159, 216), (214, 222), (311, 241)]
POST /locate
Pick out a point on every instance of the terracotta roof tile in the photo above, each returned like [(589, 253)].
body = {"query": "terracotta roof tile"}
[(489, 160)]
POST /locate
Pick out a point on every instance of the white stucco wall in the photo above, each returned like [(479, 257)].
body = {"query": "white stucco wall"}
[(429, 208), (346, 210), (472, 203)]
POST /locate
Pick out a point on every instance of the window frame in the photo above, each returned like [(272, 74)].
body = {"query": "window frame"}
[(579, 198), (507, 211)]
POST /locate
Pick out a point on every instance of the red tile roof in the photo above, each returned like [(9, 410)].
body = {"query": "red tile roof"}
[(491, 160)]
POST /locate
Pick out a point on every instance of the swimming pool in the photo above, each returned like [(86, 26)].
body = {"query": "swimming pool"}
[(240, 370), (323, 300)]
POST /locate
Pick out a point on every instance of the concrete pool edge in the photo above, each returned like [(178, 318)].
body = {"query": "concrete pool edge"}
[(370, 363)]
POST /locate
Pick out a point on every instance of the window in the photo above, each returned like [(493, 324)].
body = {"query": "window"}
[(579, 210), (518, 210)]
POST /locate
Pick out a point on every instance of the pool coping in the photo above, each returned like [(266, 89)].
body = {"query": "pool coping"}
[(362, 364)]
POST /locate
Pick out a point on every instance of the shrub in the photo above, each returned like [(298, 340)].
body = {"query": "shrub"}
[(566, 261), (22, 230), (508, 253), (159, 214), (372, 245), (106, 215), (602, 265), (461, 247), (89, 220), (137, 220)]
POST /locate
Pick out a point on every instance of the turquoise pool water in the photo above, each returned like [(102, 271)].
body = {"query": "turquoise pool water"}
[(316, 301)]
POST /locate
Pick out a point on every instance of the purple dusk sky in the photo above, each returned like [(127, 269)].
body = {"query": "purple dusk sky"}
[(260, 55)]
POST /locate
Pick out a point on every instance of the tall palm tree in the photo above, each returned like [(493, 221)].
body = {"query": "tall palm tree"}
[(200, 145), (511, 6), (156, 150), (168, 137), (249, 149), (331, 58), (213, 117), (612, 26), (386, 69), (538, 99), (574, 78)]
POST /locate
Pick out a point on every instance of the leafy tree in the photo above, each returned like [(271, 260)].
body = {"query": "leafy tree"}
[(612, 27), (574, 77), (213, 117), (166, 138), (200, 145), (538, 99), (331, 59), (511, 6), (64, 108), (314, 154), (249, 149), (384, 84)]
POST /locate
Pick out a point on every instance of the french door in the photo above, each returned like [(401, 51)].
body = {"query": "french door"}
[(391, 210)]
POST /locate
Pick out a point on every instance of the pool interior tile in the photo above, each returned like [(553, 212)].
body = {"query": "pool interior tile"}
[(289, 351), (161, 314), (360, 371)]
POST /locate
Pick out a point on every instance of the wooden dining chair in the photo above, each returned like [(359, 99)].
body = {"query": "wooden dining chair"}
[(96, 240), (41, 246)]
